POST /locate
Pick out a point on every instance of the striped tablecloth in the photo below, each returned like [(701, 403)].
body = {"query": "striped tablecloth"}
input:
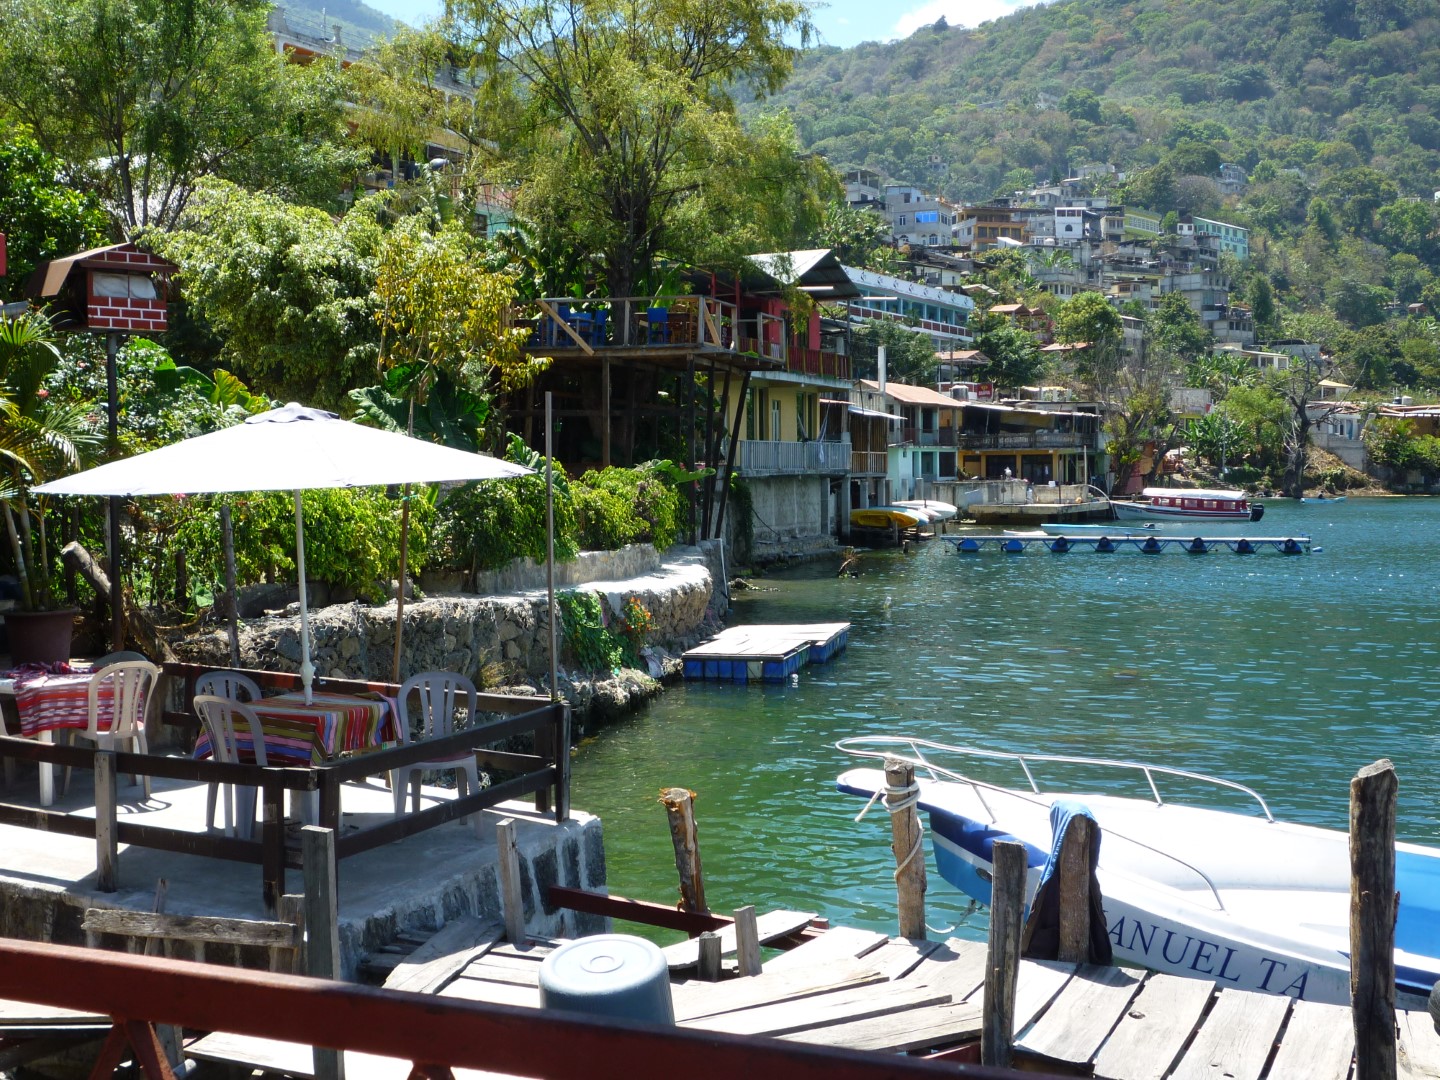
[(330, 725), (46, 701)]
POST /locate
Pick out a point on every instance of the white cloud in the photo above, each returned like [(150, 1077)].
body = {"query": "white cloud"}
[(955, 12)]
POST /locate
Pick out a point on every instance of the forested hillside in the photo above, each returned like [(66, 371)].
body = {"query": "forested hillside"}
[(1324, 86)]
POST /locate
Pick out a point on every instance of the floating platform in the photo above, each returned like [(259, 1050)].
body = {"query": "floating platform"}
[(1147, 545), (770, 653)]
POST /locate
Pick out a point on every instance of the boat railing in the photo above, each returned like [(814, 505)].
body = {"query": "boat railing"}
[(870, 746)]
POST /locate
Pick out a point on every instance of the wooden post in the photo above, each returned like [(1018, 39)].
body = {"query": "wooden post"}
[(709, 956), (907, 840), (272, 842), (1435, 1006), (512, 899), (1372, 919), (322, 928), (1075, 892), (680, 808), (747, 940), (107, 848), (1002, 959)]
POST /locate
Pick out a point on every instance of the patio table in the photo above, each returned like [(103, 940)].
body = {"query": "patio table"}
[(53, 700), (297, 733)]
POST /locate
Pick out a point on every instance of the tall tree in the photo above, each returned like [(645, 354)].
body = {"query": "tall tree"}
[(143, 98), (42, 217), (627, 114), (1173, 325), (1088, 318)]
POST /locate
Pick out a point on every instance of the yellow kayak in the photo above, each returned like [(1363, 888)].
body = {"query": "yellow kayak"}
[(883, 517)]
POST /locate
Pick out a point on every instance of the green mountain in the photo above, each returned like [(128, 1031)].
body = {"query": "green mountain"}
[(1320, 87), (360, 24)]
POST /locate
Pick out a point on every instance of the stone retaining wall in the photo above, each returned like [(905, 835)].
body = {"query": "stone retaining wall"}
[(491, 639)]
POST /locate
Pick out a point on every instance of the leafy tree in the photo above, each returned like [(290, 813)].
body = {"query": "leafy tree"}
[(859, 237), (290, 289), (1089, 318), (1220, 372), (41, 216), (1262, 416), (1081, 104), (1357, 193), (1014, 353), (909, 354), (1174, 326), (1262, 305), (143, 98), (627, 115)]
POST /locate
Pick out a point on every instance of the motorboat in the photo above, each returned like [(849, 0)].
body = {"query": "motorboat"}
[(938, 511), (1231, 895), (1323, 499), (885, 517), (1200, 504)]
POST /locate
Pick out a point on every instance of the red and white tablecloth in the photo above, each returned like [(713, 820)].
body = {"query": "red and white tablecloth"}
[(56, 696)]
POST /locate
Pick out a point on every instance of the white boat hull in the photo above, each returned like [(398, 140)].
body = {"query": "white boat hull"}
[(1252, 904), (1141, 511)]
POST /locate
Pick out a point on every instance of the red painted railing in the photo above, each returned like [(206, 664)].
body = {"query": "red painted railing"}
[(437, 1034)]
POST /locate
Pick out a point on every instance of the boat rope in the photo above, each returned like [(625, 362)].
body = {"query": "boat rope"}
[(911, 796)]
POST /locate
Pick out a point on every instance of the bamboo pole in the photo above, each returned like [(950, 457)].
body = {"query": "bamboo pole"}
[(680, 809), (908, 843), (1372, 919), (1008, 863)]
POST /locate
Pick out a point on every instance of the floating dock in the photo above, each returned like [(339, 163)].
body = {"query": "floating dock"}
[(769, 653), (1145, 545)]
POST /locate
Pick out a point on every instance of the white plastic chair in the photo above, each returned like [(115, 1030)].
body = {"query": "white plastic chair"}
[(131, 683), (236, 687), (221, 717), (439, 693)]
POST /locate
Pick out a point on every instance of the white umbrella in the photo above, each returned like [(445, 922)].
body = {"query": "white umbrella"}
[(287, 449)]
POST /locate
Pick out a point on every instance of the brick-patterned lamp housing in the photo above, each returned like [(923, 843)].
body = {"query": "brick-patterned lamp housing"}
[(116, 289)]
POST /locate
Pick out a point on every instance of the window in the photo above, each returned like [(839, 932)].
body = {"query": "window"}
[(139, 286), (775, 421), (926, 216), (904, 219)]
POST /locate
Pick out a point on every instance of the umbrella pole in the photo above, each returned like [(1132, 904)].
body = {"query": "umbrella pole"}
[(550, 550), (400, 589), (307, 669), (227, 539)]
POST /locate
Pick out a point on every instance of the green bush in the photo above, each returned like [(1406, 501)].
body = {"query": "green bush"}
[(352, 537), (606, 519), (487, 524), (638, 505), (594, 647)]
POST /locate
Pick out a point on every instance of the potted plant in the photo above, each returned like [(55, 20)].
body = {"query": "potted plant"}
[(39, 440)]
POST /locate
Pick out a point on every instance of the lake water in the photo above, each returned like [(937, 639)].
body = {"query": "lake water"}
[(1284, 673)]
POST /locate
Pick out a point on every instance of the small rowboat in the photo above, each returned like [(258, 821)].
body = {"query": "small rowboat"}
[(938, 511)]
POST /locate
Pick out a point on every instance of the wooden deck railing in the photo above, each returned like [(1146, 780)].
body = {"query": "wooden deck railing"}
[(437, 1034), (545, 773)]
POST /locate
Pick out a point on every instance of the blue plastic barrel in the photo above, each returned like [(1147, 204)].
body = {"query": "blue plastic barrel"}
[(608, 975)]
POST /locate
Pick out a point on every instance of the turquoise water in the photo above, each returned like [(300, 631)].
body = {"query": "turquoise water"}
[(1283, 673)]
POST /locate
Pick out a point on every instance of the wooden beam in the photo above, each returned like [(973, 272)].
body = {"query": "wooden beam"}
[(570, 330), (1372, 919), (684, 837), (511, 897), (907, 841), (1007, 910)]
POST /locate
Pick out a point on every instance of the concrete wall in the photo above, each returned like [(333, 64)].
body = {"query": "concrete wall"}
[(791, 512)]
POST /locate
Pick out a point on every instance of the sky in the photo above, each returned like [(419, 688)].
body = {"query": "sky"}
[(840, 22)]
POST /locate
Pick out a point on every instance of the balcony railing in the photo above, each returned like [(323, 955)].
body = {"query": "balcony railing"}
[(764, 457), (1032, 440), (868, 463), (684, 323)]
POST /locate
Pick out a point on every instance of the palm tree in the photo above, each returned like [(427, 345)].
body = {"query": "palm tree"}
[(38, 440)]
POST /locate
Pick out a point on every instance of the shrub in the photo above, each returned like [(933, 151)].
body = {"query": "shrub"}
[(606, 519), (487, 524), (653, 507), (594, 647)]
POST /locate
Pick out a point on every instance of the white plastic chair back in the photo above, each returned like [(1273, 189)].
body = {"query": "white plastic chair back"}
[(131, 683), (222, 718), (227, 684), (439, 693)]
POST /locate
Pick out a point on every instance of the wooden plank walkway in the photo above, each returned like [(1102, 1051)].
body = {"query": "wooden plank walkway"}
[(764, 653), (859, 990)]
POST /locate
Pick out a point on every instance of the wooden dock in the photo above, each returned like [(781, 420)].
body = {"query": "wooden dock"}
[(768, 653), (861, 990), (1145, 545)]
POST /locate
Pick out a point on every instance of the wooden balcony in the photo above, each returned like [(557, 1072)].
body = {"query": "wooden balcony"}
[(671, 328)]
